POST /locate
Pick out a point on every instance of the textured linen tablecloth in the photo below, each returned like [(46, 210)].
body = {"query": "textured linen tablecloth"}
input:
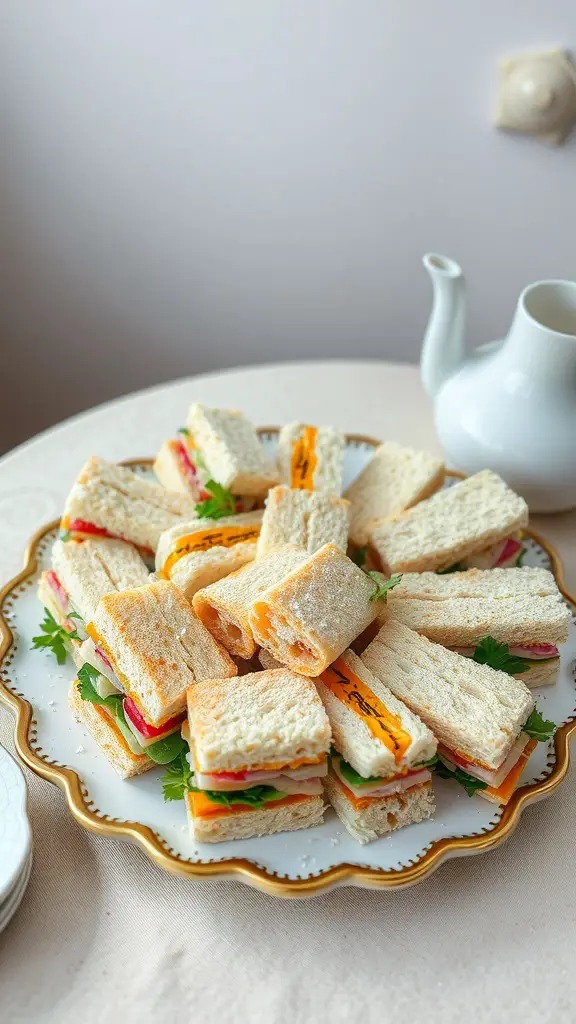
[(103, 935)]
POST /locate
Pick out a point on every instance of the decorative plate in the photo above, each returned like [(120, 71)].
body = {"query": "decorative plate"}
[(15, 835), (52, 744)]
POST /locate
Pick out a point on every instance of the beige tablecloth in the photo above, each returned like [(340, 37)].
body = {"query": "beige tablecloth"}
[(103, 935)]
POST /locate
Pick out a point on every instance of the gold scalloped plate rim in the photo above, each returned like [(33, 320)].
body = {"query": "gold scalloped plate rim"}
[(343, 874)]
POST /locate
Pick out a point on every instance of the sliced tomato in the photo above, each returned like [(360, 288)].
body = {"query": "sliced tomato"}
[(144, 727), (56, 586), (104, 658), (511, 547), (81, 526), (229, 776)]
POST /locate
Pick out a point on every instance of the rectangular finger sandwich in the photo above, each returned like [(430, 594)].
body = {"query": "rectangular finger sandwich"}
[(395, 479), (197, 553), (308, 519), (521, 608), (477, 714), (258, 749), (310, 617), (111, 501), (82, 573), (449, 526), (146, 648), (311, 458), (379, 779), (231, 451), (224, 607)]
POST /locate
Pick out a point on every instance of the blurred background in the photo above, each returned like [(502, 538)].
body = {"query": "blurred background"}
[(186, 186)]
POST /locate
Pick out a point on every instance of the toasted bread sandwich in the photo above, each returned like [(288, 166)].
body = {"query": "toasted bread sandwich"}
[(484, 720), (395, 479), (312, 614), (450, 526), (258, 750), (520, 608), (230, 451), (379, 778), (146, 647), (111, 501), (311, 458), (308, 519), (200, 552), (82, 573)]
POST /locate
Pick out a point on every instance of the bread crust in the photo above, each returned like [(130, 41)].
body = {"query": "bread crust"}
[(395, 479), (311, 616), (107, 736), (382, 816), (306, 813), (450, 525)]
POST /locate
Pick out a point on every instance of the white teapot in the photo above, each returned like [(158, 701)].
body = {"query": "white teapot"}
[(511, 405)]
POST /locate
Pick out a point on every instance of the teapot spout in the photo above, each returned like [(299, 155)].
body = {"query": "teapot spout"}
[(443, 345)]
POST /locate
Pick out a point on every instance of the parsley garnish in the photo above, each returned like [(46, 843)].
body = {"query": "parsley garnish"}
[(469, 783), (538, 728), (490, 652), (222, 503), (359, 556), (382, 586), (184, 430), (177, 779), (54, 637), (520, 559), (65, 535)]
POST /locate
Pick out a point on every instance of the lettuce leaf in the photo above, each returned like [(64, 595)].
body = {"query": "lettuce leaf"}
[(177, 779), (468, 782)]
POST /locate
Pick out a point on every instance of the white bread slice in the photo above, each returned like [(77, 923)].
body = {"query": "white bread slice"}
[(355, 740), (309, 519), (395, 479), (271, 717), (89, 569), (305, 812), (311, 616), (515, 606), (115, 499), (168, 468), (157, 646), (46, 597), (207, 550), (231, 450), (472, 709), (451, 524), (329, 452), (381, 816), (107, 736), (224, 606)]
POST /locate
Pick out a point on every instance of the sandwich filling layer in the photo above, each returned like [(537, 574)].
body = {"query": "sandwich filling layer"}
[(362, 790), (362, 803), (187, 458), (204, 540), (304, 460), (80, 529), (63, 606)]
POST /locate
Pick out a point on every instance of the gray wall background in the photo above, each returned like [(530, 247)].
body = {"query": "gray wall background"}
[(187, 185)]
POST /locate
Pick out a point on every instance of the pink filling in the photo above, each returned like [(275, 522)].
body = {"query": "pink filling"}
[(511, 548), (103, 657), (58, 590), (536, 652)]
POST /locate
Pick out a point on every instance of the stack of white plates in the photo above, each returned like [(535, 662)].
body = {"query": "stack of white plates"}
[(15, 838)]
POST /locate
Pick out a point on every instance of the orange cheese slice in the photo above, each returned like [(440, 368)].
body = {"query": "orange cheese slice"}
[(203, 807), (203, 540), (304, 460), (503, 793), (348, 688)]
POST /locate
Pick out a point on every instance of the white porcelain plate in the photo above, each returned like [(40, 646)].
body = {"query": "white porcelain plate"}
[(15, 836), (292, 864)]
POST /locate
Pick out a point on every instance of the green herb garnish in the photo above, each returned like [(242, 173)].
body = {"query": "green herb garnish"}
[(490, 652), (520, 560), (177, 780), (359, 556), (538, 728), (382, 586), (431, 763), (184, 430), (54, 637), (222, 503), (468, 782), (65, 535), (451, 568)]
